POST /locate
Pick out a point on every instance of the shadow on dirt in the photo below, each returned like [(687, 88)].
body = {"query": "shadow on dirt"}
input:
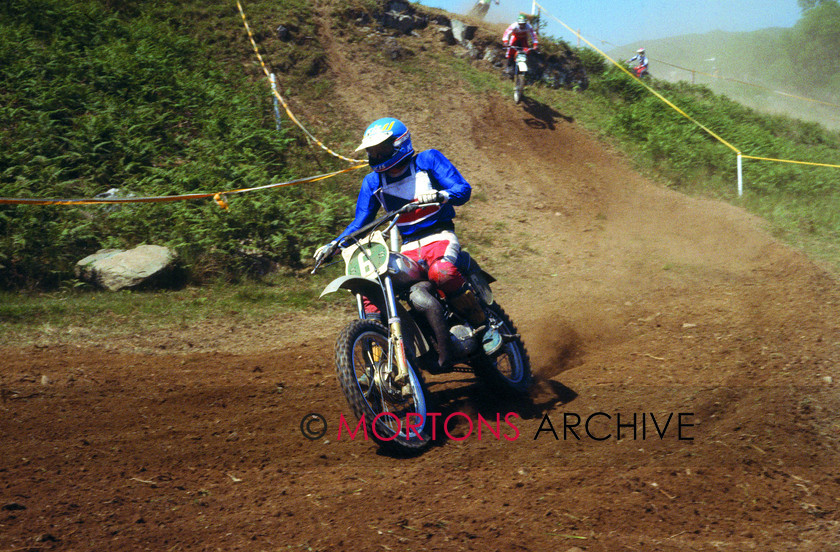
[(542, 116), (464, 406), (467, 410), (477, 398)]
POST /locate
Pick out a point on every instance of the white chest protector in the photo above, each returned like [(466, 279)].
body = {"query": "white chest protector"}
[(407, 189), (395, 194)]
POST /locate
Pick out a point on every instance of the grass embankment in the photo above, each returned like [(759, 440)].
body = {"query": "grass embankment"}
[(58, 316), (155, 99)]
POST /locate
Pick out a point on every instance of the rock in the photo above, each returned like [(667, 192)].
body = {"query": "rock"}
[(400, 15), (394, 51), (440, 20), (283, 33), (492, 55), (470, 51), (113, 193), (109, 194), (405, 23), (462, 32), (399, 6), (143, 266), (447, 36)]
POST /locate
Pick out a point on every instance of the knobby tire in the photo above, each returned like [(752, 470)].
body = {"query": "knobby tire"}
[(362, 346)]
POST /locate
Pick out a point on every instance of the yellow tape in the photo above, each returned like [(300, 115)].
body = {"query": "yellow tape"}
[(790, 161), (674, 107), (280, 98), (651, 90), (219, 197)]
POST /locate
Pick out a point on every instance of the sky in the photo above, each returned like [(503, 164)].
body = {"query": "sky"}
[(611, 23)]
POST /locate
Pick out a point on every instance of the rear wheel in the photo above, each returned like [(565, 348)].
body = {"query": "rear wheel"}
[(394, 415)]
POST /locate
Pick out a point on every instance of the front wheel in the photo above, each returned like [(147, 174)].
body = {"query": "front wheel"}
[(394, 415), (519, 86), (509, 370)]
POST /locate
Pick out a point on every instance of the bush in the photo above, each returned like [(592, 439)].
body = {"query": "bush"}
[(93, 100)]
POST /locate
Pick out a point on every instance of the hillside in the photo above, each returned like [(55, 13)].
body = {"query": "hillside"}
[(633, 299), (753, 68)]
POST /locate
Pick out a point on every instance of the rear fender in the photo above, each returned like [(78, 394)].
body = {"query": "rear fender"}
[(478, 278)]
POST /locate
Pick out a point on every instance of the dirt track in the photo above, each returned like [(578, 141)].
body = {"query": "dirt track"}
[(632, 299)]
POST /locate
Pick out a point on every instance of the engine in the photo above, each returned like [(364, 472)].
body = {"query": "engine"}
[(462, 340)]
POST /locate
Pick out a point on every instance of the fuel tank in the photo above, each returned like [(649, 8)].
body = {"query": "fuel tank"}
[(405, 271)]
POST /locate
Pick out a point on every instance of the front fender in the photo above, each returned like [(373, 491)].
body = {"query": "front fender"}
[(415, 339), (356, 284)]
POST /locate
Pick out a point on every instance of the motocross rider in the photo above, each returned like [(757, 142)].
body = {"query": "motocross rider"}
[(482, 7), (401, 176), (520, 34), (643, 61)]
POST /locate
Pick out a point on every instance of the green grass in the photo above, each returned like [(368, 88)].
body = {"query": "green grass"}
[(147, 98), (25, 315)]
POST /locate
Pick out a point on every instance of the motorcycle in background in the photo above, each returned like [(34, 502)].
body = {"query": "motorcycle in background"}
[(520, 72), (641, 72)]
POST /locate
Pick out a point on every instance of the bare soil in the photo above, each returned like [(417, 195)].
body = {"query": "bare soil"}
[(634, 301)]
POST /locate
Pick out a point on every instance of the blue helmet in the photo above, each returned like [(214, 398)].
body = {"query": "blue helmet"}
[(387, 130)]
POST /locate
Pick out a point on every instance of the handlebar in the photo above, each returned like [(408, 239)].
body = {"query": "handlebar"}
[(370, 227)]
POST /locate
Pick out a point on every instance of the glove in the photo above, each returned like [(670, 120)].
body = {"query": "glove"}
[(325, 252), (433, 197)]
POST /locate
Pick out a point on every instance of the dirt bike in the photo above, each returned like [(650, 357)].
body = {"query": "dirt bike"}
[(641, 72), (520, 71), (479, 10), (380, 360)]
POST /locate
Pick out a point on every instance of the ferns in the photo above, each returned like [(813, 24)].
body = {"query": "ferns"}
[(91, 99)]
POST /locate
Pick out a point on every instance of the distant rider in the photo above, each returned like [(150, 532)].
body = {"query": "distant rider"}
[(481, 8), (401, 176), (642, 67), (520, 34)]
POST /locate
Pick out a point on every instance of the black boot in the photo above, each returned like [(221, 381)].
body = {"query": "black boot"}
[(466, 305)]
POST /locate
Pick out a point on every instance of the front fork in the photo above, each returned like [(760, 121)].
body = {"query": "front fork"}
[(396, 342)]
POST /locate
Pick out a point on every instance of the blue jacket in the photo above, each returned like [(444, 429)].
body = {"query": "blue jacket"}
[(428, 171), (643, 60)]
